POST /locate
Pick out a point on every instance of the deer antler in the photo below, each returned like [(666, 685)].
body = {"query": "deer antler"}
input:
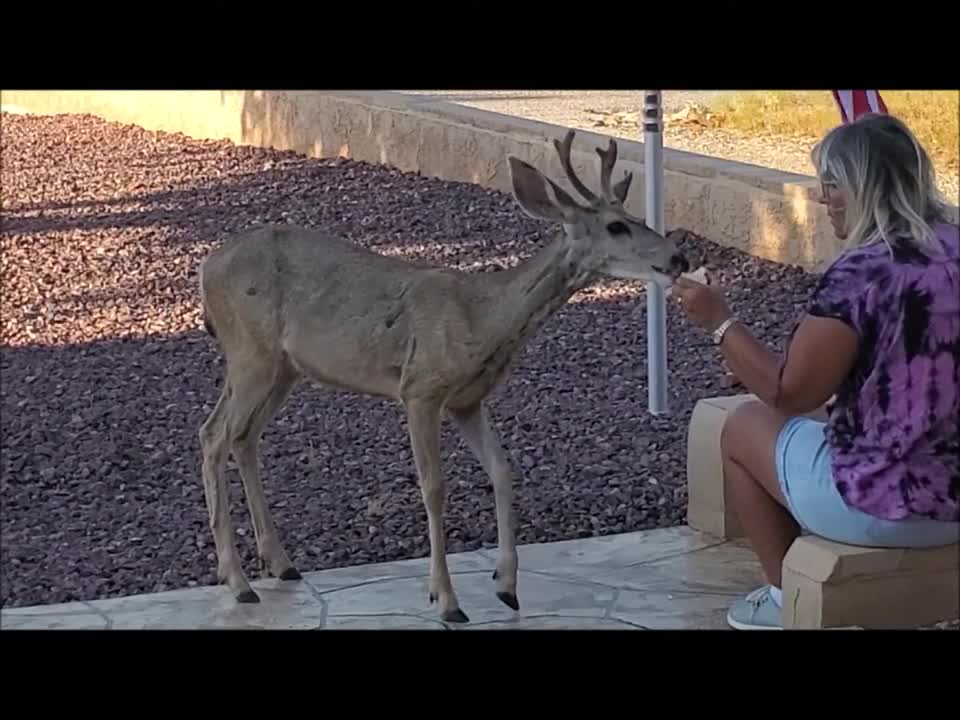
[(563, 150), (621, 188), (608, 159)]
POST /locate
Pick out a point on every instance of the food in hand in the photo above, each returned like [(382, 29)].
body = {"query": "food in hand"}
[(699, 275)]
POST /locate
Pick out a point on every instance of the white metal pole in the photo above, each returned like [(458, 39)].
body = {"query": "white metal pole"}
[(656, 301)]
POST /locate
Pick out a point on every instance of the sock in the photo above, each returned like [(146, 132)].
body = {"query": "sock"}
[(777, 595)]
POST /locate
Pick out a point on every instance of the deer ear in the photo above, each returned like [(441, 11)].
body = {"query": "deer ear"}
[(539, 196)]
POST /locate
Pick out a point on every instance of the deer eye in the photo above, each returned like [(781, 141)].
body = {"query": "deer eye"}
[(618, 228)]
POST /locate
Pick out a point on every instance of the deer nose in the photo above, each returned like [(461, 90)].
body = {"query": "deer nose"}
[(679, 263)]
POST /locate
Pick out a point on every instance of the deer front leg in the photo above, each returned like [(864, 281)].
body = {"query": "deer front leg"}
[(423, 417), (478, 432)]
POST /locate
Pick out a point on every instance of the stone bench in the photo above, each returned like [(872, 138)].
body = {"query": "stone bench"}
[(829, 584), (825, 584)]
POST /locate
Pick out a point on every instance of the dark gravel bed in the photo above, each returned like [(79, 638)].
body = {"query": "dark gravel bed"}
[(107, 374)]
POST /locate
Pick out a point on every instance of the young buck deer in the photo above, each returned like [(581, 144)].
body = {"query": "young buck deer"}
[(287, 303)]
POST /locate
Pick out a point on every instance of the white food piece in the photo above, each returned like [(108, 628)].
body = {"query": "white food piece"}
[(699, 275)]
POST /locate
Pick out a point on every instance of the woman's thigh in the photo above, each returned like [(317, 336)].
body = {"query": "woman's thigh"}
[(806, 479), (749, 438)]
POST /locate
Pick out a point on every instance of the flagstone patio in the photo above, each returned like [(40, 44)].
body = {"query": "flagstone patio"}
[(672, 578)]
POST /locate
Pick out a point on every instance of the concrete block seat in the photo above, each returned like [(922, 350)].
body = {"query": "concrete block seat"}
[(825, 584)]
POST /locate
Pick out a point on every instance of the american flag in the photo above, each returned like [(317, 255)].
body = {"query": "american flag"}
[(854, 103)]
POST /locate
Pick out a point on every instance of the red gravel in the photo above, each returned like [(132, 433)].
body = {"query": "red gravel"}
[(107, 373)]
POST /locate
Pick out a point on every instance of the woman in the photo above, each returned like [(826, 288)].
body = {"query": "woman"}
[(881, 341)]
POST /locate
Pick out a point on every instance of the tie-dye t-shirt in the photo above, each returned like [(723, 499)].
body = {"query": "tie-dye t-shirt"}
[(893, 424)]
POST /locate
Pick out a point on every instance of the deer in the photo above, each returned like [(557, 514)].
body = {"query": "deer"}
[(288, 304)]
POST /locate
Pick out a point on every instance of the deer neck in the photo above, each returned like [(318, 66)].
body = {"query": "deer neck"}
[(536, 289)]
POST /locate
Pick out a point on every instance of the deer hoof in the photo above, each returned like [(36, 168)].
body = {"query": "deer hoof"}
[(248, 596), (496, 574), (433, 598), (455, 616), (510, 600), (291, 573)]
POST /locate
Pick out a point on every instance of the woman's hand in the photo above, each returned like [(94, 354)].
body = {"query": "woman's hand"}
[(705, 305)]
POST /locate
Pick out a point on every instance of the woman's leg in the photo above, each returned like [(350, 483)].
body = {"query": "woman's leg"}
[(780, 478), (748, 445)]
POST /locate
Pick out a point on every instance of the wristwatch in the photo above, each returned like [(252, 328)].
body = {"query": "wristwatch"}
[(722, 330)]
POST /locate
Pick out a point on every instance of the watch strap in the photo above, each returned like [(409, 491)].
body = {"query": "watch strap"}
[(722, 329)]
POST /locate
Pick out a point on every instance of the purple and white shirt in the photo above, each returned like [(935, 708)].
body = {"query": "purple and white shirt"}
[(894, 424)]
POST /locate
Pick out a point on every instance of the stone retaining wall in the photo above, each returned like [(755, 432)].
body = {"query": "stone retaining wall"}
[(765, 212)]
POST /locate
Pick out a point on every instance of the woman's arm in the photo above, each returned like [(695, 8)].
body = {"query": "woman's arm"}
[(820, 355)]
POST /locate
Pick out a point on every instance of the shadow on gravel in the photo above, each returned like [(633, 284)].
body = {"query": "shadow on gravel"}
[(134, 256), (414, 216), (179, 209)]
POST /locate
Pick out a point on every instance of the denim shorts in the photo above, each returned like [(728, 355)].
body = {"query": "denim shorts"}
[(806, 479)]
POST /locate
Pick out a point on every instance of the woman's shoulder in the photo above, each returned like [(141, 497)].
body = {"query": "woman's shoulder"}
[(948, 234), (879, 258), (862, 264)]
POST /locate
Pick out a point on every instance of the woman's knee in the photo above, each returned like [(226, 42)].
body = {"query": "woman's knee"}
[(749, 438), (741, 427)]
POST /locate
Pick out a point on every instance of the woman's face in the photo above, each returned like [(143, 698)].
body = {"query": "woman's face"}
[(836, 201)]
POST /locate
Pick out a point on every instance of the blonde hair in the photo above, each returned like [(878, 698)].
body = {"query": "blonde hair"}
[(888, 178)]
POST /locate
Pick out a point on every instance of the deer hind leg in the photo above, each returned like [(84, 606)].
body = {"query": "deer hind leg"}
[(478, 432), (215, 447), (423, 417), (258, 393)]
